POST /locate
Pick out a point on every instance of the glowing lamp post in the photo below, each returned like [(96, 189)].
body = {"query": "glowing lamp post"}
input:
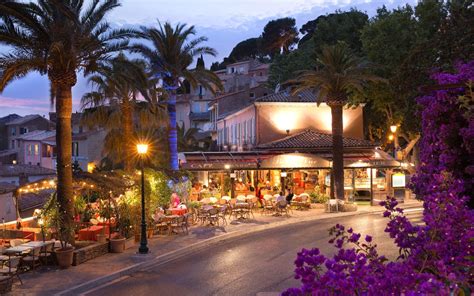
[(142, 149), (393, 129)]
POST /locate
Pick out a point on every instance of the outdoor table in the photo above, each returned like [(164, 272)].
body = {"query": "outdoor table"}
[(90, 233), (18, 250), (178, 211), (36, 244)]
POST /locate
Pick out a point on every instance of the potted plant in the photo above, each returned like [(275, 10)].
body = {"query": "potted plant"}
[(123, 227), (65, 233)]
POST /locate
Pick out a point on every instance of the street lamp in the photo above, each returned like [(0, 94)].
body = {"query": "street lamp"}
[(142, 149), (393, 128)]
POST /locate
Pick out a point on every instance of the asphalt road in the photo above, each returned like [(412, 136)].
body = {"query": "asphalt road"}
[(261, 262)]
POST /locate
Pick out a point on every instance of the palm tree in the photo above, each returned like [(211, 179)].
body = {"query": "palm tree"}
[(113, 105), (170, 55), (58, 38), (187, 138), (338, 74)]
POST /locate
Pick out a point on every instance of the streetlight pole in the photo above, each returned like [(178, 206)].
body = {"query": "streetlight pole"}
[(143, 249)]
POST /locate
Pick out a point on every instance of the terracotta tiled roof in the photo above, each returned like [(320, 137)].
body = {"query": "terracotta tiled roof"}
[(306, 96), (24, 119), (312, 139), (38, 135)]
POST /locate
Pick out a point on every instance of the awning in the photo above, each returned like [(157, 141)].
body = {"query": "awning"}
[(250, 160)]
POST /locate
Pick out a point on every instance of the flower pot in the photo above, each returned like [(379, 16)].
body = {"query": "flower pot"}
[(117, 245), (149, 232), (130, 242), (64, 256), (101, 238)]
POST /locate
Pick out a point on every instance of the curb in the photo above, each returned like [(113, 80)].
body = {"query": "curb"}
[(195, 247)]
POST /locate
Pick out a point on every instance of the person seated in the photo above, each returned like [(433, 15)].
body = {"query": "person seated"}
[(280, 197), (289, 195), (175, 200), (158, 214)]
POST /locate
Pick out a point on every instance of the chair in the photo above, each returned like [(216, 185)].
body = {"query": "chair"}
[(161, 225), (268, 197), (15, 242), (46, 255), (33, 259), (12, 268), (213, 216), (267, 206), (222, 212), (185, 223), (282, 207), (202, 215), (234, 209), (175, 223), (241, 198)]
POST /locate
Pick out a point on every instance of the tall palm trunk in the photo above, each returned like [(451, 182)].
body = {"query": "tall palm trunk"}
[(64, 158), (337, 149), (172, 132), (127, 133)]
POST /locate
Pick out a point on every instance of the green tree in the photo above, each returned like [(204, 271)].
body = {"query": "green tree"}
[(58, 38), (187, 138), (339, 73), (324, 30), (170, 55), (279, 36), (249, 48), (113, 105), (339, 26)]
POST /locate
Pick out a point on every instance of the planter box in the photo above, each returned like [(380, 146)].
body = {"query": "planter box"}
[(90, 252), (129, 243), (348, 207)]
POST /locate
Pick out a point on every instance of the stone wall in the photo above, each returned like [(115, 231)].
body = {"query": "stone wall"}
[(90, 252)]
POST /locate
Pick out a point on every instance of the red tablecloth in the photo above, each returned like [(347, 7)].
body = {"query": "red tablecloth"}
[(176, 211), (90, 233)]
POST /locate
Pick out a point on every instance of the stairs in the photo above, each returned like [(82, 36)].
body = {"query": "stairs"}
[(414, 215)]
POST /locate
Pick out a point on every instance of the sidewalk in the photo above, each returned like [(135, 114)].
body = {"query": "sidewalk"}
[(49, 281)]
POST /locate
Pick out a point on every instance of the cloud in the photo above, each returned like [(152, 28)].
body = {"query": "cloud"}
[(24, 106), (217, 14)]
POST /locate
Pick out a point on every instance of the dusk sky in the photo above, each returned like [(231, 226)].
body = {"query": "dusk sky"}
[(225, 23)]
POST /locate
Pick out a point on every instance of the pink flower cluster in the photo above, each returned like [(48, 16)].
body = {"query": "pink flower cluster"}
[(436, 258)]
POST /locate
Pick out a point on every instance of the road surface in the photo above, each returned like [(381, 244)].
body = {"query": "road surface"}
[(261, 262)]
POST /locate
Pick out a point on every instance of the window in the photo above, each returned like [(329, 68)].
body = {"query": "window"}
[(13, 131), (36, 149), (252, 95), (239, 140), (23, 130), (260, 74), (75, 149), (30, 149), (264, 94), (12, 146), (244, 137)]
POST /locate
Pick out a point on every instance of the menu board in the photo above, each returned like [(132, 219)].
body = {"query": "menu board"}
[(398, 180)]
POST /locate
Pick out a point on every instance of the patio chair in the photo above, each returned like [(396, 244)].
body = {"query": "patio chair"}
[(222, 212), (213, 216), (12, 268), (246, 210), (202, 215), (6, 283), (185, 223), (32, 260), (16, 242), (175, 224), (46, 256), (234, 209), (267, 206), (282, 207), (161, 226)]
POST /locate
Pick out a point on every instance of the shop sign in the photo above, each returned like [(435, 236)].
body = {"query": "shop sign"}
[(218, 165), (295, 160)]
